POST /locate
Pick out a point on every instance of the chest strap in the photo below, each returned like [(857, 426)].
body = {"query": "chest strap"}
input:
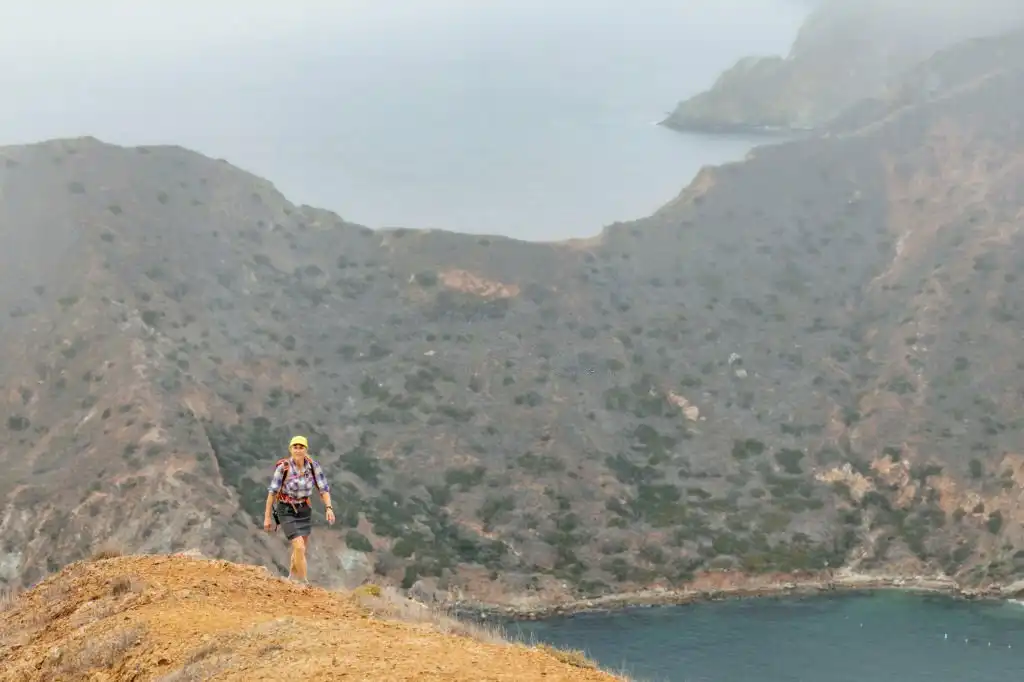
[(294, 502)]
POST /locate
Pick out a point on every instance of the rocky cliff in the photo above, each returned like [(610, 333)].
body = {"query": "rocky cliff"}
[(845, 52), (807, 359)]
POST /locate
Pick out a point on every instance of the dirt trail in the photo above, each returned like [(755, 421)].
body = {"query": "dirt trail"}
[(179, 619)]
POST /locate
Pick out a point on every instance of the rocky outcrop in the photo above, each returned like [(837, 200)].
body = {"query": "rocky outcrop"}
[(845, 52)]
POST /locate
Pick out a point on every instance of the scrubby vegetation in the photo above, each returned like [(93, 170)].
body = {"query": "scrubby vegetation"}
[(753, 378)]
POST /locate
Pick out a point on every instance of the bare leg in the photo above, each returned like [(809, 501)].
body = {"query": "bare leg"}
[(297, 569)]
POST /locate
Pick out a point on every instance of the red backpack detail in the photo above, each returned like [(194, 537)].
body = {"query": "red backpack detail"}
[(281, 496), (287, 461)]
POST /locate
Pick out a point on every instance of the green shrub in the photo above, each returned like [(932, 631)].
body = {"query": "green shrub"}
[(357, 541), (660, 505), (361, 461), (995, 522), (789, 460), (744, 449), (465, 478)]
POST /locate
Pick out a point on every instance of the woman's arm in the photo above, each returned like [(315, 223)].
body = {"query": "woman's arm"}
[(275, 485), (326, 497), (325, 490), (269, 509)]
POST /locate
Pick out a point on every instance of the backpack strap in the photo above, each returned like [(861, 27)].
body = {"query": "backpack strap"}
[(281, 496), (286, 461)]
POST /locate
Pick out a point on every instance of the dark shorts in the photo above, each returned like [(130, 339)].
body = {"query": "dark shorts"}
[(295, 521)]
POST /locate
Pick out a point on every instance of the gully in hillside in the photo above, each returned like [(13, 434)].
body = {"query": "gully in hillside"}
[(288, 505)]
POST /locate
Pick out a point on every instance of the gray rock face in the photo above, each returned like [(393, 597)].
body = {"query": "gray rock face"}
[(355, 568)]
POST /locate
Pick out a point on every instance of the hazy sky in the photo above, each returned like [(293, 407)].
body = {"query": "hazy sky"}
[(475, 115), (317, 95), (52, 33), (113, 22), (48, 44)]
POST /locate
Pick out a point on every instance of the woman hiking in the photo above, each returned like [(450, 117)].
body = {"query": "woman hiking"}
[(288, 501)]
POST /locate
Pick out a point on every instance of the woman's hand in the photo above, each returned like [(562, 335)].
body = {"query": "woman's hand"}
[(330, 516), (266, 523)]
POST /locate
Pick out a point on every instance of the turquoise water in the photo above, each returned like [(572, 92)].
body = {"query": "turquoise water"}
[(881, 637)]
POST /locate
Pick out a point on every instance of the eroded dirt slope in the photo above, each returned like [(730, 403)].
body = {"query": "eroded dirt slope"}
[(177, 618)]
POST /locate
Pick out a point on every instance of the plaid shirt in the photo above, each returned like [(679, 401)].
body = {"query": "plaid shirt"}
[(300, 482)]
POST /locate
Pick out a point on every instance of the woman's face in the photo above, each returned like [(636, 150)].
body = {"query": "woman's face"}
[(298, 450)]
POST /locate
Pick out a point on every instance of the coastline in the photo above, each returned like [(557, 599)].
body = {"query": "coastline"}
[(743, 589), (729, 129)]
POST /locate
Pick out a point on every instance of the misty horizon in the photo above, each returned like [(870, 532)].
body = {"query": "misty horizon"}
[(521, 119)]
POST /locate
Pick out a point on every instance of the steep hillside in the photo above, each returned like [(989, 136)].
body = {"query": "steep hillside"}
[(175, 619), (846, 51), (945, 72), (806, 360)]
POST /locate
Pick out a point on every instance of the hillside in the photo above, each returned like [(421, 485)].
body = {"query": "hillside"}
[(175, 619), (807, 359), (846, 51)]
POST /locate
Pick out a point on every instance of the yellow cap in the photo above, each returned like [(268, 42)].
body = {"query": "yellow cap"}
[(299, 440)]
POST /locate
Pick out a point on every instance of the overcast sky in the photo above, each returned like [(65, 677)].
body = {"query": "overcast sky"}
[(318, 95), (49, 43), (53, 31)]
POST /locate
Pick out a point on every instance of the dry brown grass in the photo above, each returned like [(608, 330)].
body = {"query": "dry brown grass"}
[(8, 596), (122, 590), (573, 657), (97, 653), (123, 584), (8, 600), (53, 595), (202, 663), (181, 619), (388, 602), (108, 550)]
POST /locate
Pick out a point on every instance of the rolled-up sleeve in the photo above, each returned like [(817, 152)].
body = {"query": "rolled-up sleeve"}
[(276, 479), (321, 479)]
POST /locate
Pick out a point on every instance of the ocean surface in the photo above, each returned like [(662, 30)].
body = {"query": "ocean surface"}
[(529, 118), (878, 637)]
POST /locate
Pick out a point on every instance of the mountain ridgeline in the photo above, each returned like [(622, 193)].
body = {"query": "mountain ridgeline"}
[(845, 51), (808, 359)]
